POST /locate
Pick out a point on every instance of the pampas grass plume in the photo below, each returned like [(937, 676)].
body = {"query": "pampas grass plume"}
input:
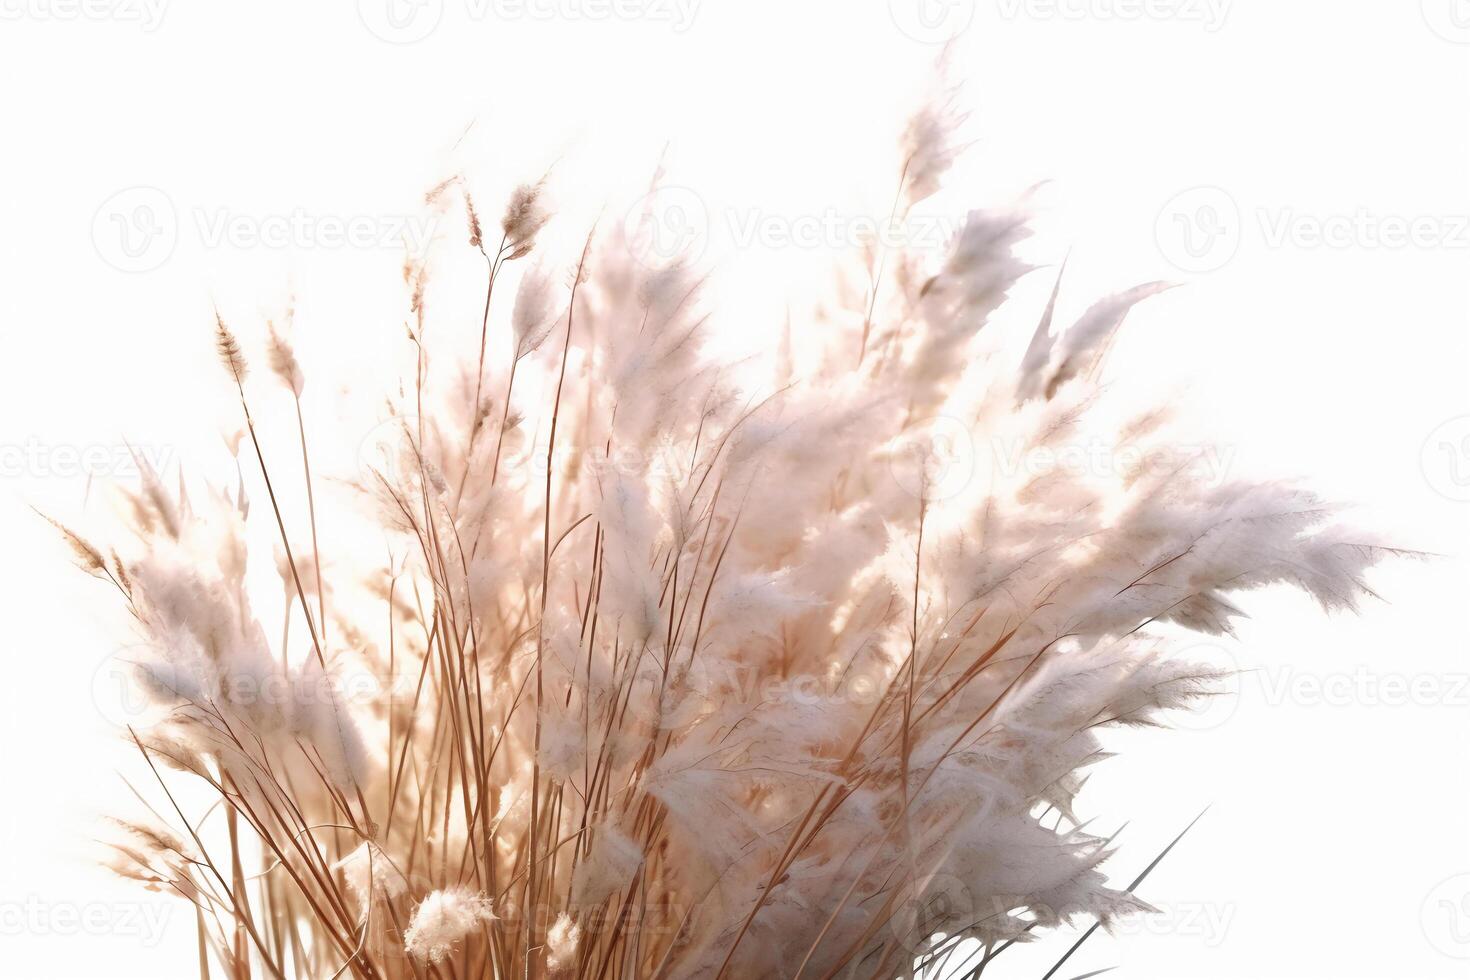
[(675, 673)]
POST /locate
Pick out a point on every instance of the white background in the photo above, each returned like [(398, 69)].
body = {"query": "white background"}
[(1338, 775)]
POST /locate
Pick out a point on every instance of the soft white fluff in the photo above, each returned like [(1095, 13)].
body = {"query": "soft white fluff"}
[(443, 918)]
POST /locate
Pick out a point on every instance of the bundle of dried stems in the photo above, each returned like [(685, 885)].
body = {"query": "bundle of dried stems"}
[(741, 685)]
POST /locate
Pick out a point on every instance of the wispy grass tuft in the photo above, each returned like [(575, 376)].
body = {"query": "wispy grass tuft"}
[(664, 672)]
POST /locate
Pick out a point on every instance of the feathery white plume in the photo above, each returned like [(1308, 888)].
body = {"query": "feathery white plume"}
[(443, 918)]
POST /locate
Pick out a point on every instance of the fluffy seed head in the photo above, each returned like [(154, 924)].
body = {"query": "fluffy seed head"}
[(443, 918)]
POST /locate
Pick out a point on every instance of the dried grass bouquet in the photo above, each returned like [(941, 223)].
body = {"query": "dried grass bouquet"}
[(680, 668)]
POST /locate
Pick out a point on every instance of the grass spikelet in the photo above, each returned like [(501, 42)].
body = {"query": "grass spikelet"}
[(283, 360), (228, 349), (523, 219), (88, 558)]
